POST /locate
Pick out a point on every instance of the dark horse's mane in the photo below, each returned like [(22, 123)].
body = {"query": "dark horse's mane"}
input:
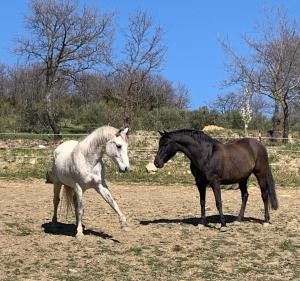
[(195, 134)]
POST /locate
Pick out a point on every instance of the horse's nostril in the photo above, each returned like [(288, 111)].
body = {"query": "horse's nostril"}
[(126, 169)]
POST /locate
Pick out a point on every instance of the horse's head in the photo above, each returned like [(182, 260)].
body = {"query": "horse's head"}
[(117, 149), (166, 150)]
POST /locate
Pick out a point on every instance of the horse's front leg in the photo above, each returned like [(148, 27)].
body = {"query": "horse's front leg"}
[(217, 192), (106, 195), (202, 191), (79, 209)]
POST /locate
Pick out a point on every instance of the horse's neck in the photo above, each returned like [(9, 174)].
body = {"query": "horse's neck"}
[(193, 149), (94, 146)]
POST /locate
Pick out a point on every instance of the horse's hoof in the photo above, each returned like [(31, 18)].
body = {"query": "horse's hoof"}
[(266, 224), (223, 229), (79, 236), (237, 222), (125, 228)]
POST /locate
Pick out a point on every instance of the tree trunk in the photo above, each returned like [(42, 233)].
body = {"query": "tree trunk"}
[(50, 116), (285, 133), (275, 123)]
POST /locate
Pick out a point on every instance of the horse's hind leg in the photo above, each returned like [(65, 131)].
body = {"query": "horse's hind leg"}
[(56, 199), (76, 213), (262, 181), (244, 194)]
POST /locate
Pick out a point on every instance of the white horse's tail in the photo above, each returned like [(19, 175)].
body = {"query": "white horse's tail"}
[(68, 199)]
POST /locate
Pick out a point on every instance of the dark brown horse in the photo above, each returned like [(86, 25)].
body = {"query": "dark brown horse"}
[(214, 163)]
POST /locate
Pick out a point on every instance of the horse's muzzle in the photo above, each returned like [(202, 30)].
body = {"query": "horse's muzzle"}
[(157, 164), (124, 170)]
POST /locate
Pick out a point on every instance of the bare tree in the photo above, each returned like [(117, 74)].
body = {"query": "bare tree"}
[(232, 102), (227, 103), (143, 55), (272, 67), (3, 79), (65, 42)]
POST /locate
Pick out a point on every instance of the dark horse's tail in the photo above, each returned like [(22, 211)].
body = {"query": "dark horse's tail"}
[(271, 190), (49, 176)]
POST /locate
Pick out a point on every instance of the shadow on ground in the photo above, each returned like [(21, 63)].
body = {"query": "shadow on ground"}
[(196, 220), (70, 230)]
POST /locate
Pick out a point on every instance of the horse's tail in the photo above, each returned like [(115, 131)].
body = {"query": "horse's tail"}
[(68, 199), (271, 190), (49, 176)]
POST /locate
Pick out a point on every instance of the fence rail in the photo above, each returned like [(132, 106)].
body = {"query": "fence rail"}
[(149, 137)]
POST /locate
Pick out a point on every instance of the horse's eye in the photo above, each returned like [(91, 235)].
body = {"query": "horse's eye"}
[(119, 146)]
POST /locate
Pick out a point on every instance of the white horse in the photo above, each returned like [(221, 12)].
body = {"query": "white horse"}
[(78, 166)]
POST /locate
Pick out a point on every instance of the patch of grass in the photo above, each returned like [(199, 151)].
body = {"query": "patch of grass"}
[(157, 251), (72, 278), (177, 248), (17, 229), (208, 272), (215, 243), (136, 251), (155, 263), (23, 233), (121, 266), (244, 270), (272, 255), (288, 245)]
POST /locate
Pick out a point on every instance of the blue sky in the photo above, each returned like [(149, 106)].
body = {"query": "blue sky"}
[(191, 27)]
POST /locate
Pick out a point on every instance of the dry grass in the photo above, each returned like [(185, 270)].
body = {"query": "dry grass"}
[(163, 244)]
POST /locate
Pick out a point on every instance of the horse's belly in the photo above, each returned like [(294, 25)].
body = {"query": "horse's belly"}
[(236, 173)]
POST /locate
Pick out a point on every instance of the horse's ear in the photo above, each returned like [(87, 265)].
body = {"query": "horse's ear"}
[(122, 131), (126, 131)]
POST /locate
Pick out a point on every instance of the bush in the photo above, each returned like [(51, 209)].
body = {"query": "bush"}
[(33, 118), (94, 115), (162, 119), (203, 116)]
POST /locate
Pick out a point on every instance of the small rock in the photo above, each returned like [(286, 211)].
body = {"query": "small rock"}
[(150, 167), (72, 270), (32, 161), (41, 146)]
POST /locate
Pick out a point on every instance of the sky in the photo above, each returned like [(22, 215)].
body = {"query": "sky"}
[(192, 28)]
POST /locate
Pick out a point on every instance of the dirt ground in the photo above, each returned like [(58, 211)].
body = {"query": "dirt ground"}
[(164, 242)]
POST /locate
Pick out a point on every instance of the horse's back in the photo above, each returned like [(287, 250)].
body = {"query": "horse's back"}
[(65, 149), (240, 158)]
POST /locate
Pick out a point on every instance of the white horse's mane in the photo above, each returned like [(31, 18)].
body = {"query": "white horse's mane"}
[(98, 138)]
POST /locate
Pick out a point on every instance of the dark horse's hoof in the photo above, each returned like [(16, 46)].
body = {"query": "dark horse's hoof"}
[(223, 229)]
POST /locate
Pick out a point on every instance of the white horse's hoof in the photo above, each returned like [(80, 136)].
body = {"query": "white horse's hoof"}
[(125, 228), (79, 236), (266, 224), (237, 222), (223, 229)]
